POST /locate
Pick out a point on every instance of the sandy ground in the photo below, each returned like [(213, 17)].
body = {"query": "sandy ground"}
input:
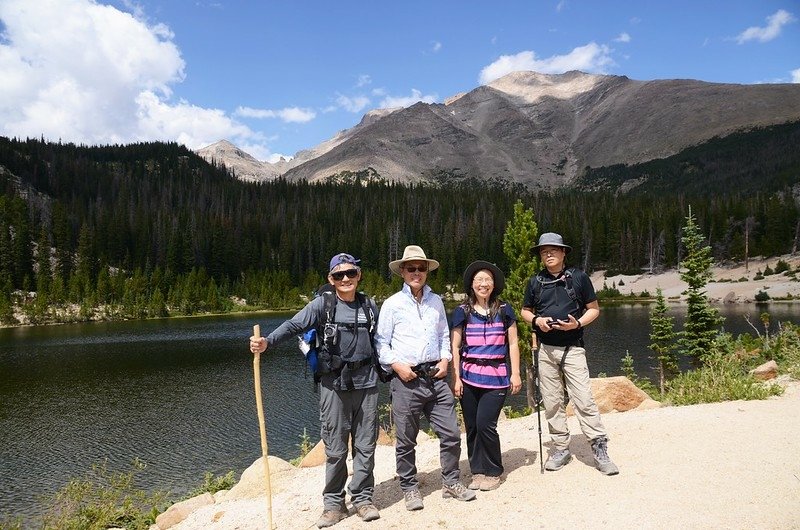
[(723, 465), (732, 283)]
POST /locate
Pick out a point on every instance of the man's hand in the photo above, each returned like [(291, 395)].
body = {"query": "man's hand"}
[(404, 372), (258, 345)]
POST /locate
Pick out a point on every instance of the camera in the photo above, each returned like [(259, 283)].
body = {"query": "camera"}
[(330, 334)]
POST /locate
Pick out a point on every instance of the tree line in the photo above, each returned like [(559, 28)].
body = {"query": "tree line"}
[(149, 228)]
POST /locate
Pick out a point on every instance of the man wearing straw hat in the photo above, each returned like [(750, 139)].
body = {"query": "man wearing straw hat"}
[(348, 393), (559, 302), (413, 341)]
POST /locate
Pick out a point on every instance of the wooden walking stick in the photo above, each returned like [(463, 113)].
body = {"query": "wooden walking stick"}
[(262, 425)]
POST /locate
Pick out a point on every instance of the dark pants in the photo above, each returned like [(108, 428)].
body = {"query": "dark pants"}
[(348, 416), (435, 400), (481, 408)]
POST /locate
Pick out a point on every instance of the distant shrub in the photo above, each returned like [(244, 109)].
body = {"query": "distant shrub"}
[(723, 377), (781, 266), (758, 277), (768, 271), (762, 296), (512, 413), (621, 282)]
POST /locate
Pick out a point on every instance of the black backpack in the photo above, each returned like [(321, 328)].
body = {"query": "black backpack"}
[(328, 358), (539, 281)]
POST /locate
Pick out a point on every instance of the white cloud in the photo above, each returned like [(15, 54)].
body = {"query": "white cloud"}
[(796, 76), (436, 46), (83, 72), (390, 102), (592, 58), (289, 114), (352, 104), (623, 37), (773, 28), (363, 80)]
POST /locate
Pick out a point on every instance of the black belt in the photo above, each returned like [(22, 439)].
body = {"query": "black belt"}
[(484, 362), (426, 371)]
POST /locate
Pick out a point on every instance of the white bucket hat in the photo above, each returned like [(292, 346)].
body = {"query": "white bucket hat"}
[(412, 253)]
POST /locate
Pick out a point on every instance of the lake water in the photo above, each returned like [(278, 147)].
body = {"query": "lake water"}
[(178, 394)]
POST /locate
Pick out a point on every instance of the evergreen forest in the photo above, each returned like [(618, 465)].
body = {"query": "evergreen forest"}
[(152, 229)]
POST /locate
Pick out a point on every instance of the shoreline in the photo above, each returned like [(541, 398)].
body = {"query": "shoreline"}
[(731, 284)]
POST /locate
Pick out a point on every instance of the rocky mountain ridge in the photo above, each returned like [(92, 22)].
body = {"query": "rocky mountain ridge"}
[(543, 130)]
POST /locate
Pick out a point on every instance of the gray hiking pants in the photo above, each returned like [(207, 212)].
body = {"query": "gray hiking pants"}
[(435, 400), (344, 414), (576, 375)]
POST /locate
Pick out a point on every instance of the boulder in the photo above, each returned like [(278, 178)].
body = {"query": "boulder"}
[(614, 394), (648, 404), (181, 510), (251, 484), (315, 457), (765, 372)]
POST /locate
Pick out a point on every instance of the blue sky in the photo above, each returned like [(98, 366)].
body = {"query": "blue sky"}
[(277, 77)]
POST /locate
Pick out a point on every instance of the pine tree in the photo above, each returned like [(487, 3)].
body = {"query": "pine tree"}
[(662, 336), (702, 320), (519, 238)]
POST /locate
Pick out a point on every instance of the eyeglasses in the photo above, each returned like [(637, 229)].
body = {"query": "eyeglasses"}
[(480, 281), (420, 268), (339, 276), (549, 252)]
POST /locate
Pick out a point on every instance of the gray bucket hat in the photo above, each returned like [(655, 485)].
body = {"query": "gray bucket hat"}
[(551, 239)]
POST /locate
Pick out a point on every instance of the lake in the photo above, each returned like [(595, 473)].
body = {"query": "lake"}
[(178, 394)]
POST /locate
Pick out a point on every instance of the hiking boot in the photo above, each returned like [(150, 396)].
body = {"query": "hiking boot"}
[(558, 459), (458, 491), (368, 512), (413, 500), (601, 459), (490, 483), (477, 478), (330, 518)]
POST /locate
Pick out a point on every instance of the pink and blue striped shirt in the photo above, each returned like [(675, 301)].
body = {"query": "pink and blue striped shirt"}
[(484, 347)]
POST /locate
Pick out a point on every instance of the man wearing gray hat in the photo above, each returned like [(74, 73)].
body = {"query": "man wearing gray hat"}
[(413, 340), (559, 302)]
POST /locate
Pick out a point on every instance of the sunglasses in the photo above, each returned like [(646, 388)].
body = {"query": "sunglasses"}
[(339, 276), (421, 268)]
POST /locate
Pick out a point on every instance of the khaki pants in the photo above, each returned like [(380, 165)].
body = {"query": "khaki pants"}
[(576, 374)]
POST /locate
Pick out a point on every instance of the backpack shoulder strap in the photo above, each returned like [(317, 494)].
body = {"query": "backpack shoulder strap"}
[(328, 310), (569, 285), (366, 306)]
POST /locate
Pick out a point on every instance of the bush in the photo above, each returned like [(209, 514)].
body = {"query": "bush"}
[(768, 271), (104, 499), (512, 413), (785, 348), (644, 384), (723, 377), (762, 296), (212, 484), (305, 446), (781, 266)]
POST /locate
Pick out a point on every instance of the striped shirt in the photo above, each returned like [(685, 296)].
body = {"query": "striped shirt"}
[(484, 347)]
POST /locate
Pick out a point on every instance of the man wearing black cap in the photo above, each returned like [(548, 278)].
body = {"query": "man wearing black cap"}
[(348, 393), (559, 302)]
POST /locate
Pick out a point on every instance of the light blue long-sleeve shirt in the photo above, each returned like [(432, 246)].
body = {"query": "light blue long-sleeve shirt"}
[(412, 332)]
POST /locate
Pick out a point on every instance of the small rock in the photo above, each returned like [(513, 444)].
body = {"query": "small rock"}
[(765, 372)]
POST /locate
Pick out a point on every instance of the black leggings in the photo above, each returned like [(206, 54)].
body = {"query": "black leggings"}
[(481, 408)]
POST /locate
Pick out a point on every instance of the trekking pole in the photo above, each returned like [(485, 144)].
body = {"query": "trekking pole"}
[(537, 396), (262, 425)]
